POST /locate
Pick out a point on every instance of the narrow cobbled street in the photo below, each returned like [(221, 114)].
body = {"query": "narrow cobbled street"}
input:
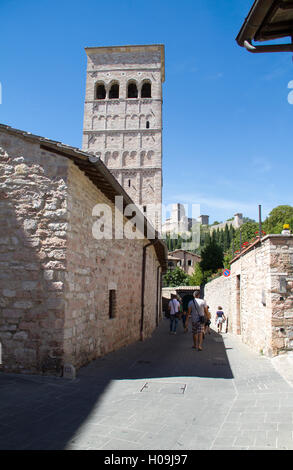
[(158, 394)]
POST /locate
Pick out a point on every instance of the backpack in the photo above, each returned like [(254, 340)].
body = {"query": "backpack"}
[(201, 317)]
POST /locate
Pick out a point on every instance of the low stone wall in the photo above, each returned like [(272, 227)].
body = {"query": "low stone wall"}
[(251, 298), (258, 296), (262, 295), (217, 293)]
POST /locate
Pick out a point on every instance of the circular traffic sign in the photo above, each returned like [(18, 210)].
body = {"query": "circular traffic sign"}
[(226, 273)]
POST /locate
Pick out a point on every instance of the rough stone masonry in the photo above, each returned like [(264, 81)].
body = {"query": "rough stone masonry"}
[(56, 280), (258, 296), (123, 119)]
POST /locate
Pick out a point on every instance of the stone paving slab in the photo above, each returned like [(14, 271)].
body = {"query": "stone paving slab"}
[(225, 397)]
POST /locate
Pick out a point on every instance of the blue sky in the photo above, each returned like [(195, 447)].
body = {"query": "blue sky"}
[(227, 137)]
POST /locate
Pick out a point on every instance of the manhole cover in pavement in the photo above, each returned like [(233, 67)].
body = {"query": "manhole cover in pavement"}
[(163, 387)]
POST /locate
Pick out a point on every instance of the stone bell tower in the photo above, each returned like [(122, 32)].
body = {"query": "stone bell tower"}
[(123, 119)]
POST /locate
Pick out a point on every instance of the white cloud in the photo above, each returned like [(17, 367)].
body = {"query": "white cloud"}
[(261, 165), (216, 202)]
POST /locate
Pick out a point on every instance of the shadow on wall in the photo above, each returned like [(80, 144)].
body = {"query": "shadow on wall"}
[(31, 280), (46, 412), (40, 412)]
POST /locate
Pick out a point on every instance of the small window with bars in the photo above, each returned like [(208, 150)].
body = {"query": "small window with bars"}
[(112, 303)]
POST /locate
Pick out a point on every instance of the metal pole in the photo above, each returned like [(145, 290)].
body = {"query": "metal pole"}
[(240, 239), (259, 221)]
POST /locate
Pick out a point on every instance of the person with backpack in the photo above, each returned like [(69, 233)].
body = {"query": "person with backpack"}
[(198, 310), (207, 322), (174, 308)]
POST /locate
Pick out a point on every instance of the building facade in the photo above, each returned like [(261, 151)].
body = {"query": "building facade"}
[(258, 295), (66, 296), (184, 260), (178, 222), (123, 119)]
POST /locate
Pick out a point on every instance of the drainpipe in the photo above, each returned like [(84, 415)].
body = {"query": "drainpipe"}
[(157, 303), (273, 48), (259, 222), (143, 285)]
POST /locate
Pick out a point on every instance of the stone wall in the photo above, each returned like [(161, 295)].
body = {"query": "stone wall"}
[(251, 298), (259, 297), (153, 293), (33, 230), (94, 267), (55, 277), (186, 258), (281, 256), (236, 222), (217, 293)]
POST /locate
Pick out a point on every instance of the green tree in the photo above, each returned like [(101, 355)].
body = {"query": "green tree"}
[(175, 278), (226, 244), (279, 216), (212, 258), (247, 219), (207, 238), (197, 277), (216, 234), (232, 234), (248, 233), (221, 239), (227, 260), (168, 241)]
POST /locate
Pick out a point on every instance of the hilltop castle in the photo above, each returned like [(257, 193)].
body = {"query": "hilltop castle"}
[(179, 222)]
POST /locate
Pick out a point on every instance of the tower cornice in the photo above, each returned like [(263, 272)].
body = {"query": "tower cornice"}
[(124, 131), (131, 48)]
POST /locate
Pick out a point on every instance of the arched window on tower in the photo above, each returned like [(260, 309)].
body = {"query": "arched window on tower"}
[(100, 91), (132, 90), (114, 91), (148, 124), (146, 90)]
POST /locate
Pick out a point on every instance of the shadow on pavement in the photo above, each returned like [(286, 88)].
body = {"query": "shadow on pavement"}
[(45, 412)]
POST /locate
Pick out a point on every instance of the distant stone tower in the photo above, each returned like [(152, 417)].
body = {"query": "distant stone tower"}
[(123, 119)]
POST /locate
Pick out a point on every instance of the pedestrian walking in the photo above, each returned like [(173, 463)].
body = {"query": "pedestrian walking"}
[(174, 308), (207, 322), (183, 317), (185, 302), (197, 308), (220, 319)]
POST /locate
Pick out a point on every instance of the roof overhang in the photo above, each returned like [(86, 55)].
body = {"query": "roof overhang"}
[(101, 177), (267, 20)]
